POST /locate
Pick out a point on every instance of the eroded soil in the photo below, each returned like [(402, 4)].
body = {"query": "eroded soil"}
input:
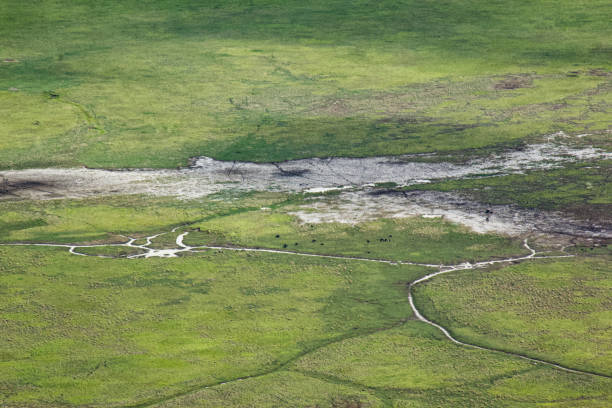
[(359, 175), (207, 176), (358, 206)]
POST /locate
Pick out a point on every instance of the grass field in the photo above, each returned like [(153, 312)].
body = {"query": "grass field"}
[(305, 331), (135, 84), (109, 219), (517, 389), (555, 310), (153, 83), (408, 366), (314, 332), (583, 189), (242, 222), (414, 239), (82, 331)]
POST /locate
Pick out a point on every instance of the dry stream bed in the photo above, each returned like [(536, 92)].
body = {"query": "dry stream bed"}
[(358, 176), (207, 176)]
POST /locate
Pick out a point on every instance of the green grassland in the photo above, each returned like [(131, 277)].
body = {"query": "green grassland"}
[(301, 331), (108, 332), (534, 388), (109, 219), (584, 189), (150, 84), (280, 389), (407, 366), (153, 83), (318, 332), (411, 239), (242, 222), (415, 366), (558, 310)]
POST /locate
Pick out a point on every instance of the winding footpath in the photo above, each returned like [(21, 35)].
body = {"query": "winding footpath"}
[(181, 247), (467, 266)]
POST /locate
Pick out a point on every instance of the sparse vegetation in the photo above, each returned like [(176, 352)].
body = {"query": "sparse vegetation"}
[(581, 190), (570, 188)]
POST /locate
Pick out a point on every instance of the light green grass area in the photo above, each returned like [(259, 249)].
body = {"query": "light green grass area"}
[(415, 356), (409, 366), (81, 331), (304, 331), (314, 332), (242, 222), (110, 219), (281, 389), (153, 83), (557, 310), (414, 239)]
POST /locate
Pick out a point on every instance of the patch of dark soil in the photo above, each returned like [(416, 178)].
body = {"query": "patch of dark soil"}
[(599, 72), (8, 187), (596, 214), (292, 172), (351, 402), (233, 171), (513, 82), (386, 191), (413, 120), (460, 127)]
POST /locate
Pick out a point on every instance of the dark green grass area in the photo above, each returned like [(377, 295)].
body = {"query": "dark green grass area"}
[(104, 332), (592, 250), (584, 189), (557, 310), (412, 239), (150, 84), (409, 366), (280, 389)]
